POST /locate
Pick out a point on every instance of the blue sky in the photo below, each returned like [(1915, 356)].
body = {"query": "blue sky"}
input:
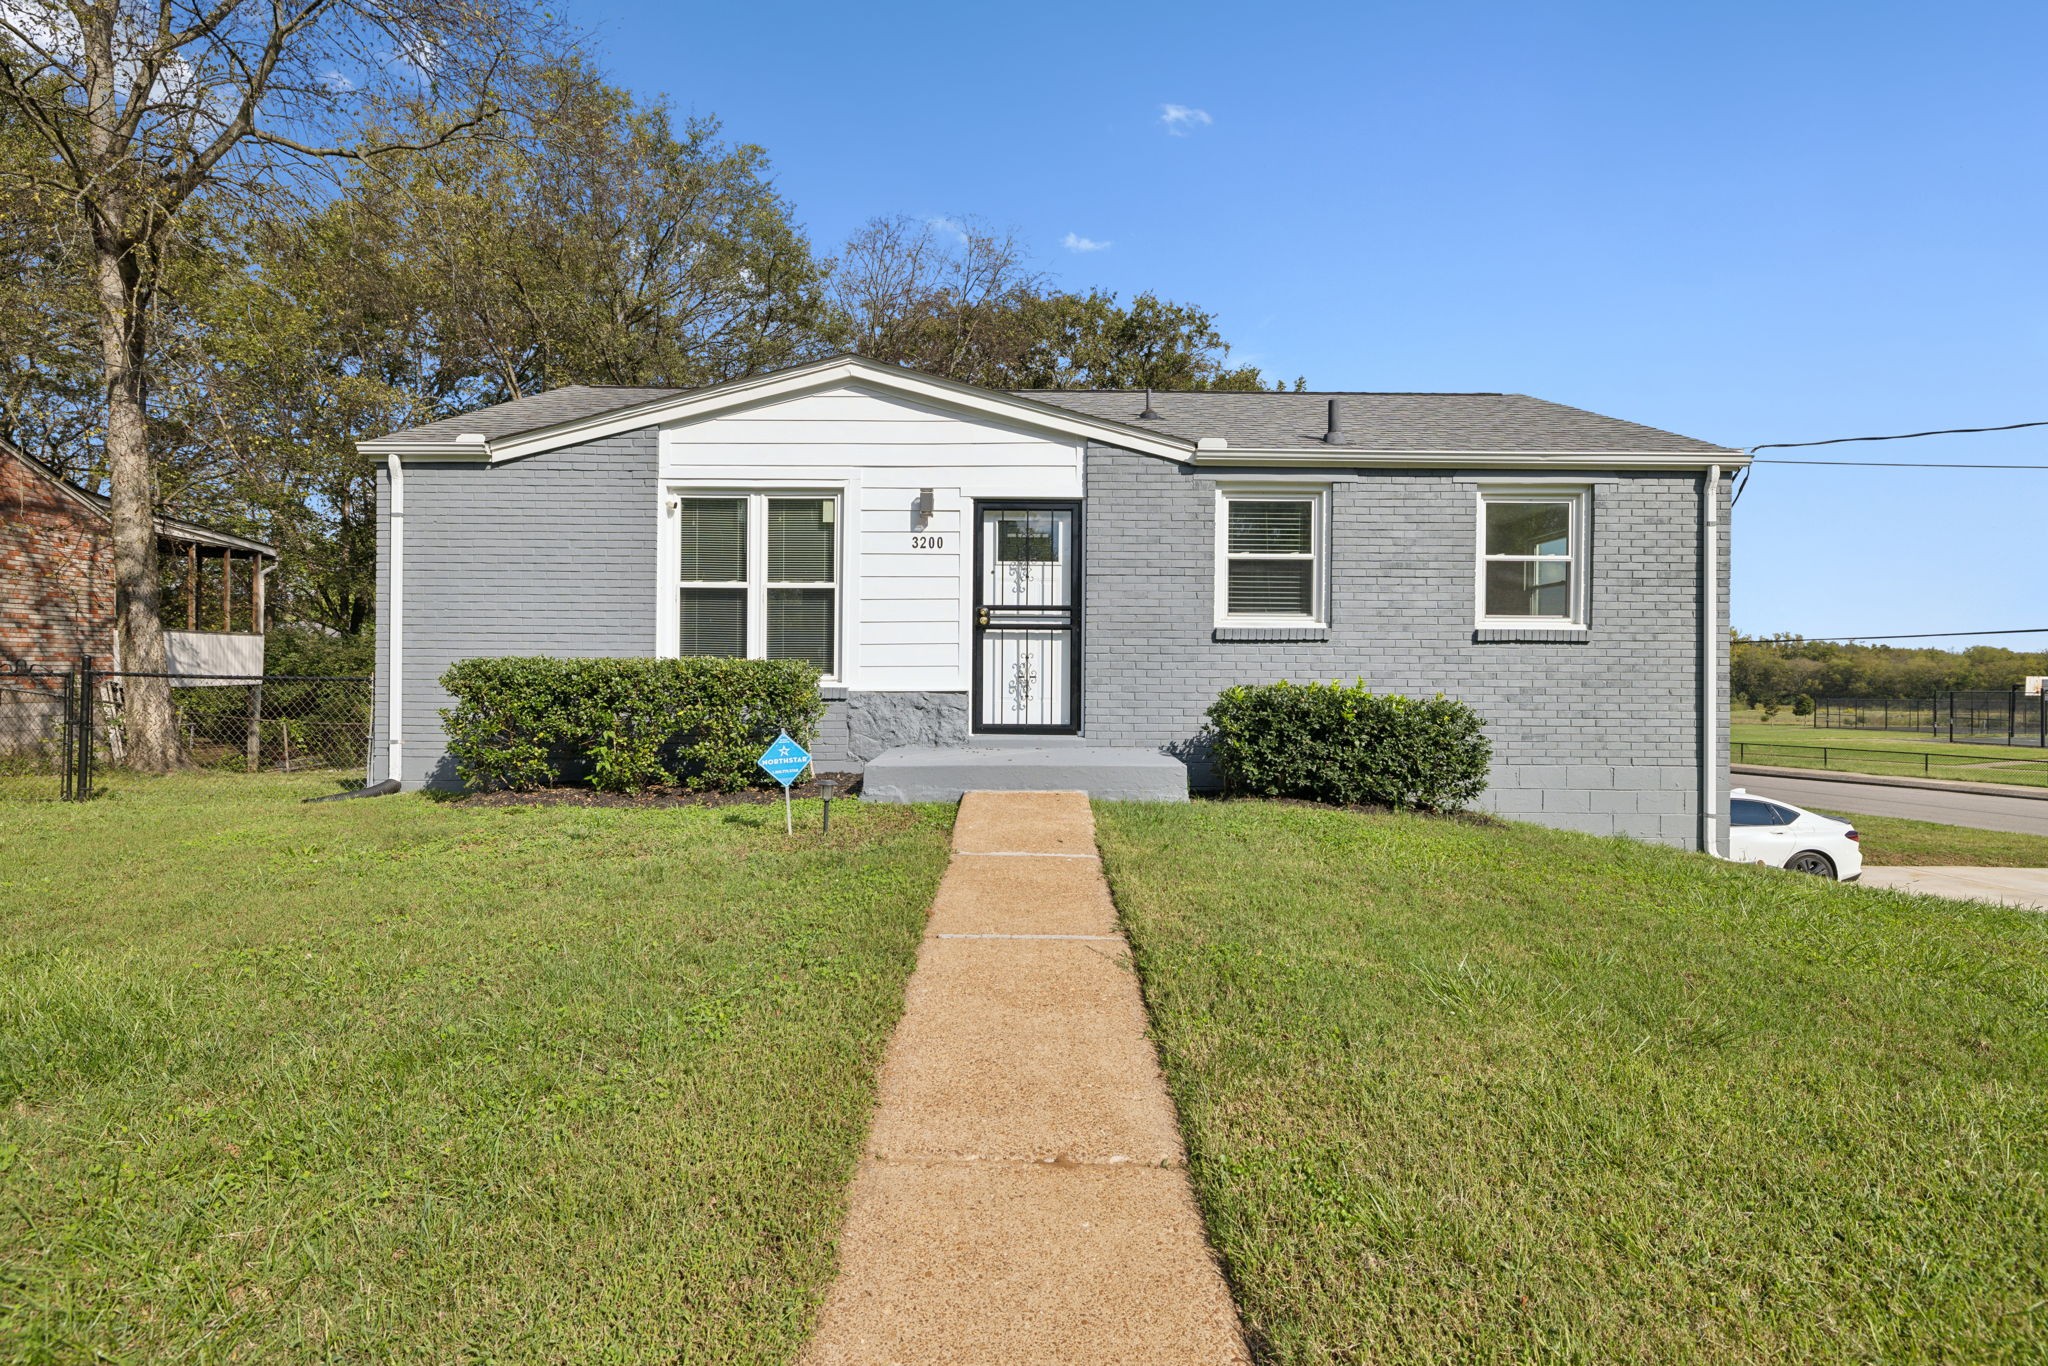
[(1744, 222)]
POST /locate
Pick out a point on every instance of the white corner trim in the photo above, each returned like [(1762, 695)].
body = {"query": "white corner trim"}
[(1710, 637), (667, 556), (395, 745)]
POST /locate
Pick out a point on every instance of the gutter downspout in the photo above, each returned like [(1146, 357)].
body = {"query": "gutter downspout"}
[(1710, 692), (394, 763)]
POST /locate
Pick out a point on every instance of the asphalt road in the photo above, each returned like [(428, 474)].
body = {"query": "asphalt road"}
[(1982, 810)]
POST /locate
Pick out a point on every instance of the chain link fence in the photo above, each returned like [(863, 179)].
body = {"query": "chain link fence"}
[(35, 708), (1985, 716), (70, 725)]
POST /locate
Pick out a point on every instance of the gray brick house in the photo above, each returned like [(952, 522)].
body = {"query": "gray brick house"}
[(972, 569)]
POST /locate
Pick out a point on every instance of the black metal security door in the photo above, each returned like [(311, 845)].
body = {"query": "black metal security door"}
[(1027, 618)]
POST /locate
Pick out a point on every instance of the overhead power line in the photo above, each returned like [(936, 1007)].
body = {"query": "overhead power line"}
[(1913, 635), (1897, 464), (1895, 436), (1883, 464)]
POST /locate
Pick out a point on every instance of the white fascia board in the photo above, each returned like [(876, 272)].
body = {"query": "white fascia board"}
[(951, 394), (1473, 460), (441, 452)]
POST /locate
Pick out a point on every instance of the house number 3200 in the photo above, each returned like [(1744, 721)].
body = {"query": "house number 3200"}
[(927, 542)]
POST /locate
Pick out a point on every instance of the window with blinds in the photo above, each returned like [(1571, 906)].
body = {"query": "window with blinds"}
[(759, 577), (1271, 562), (714, 566), (802, 581)]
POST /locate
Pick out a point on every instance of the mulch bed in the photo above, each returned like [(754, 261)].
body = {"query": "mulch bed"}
[(845, 785)]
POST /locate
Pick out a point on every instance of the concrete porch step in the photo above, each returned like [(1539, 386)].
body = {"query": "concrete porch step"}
[(931, 773)]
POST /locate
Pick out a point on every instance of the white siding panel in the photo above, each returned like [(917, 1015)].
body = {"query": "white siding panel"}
[(918, 567), (898, 543), (733, 432), (883, 585), (910, 656), (879, 610), (898, 521), (906, 609), (843, 404), (912, 632)]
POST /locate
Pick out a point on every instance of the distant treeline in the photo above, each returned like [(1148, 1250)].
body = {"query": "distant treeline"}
[(1781, 668)]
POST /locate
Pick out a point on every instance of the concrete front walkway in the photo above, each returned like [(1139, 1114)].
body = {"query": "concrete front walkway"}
[(1024, 1196), (2024, 887)]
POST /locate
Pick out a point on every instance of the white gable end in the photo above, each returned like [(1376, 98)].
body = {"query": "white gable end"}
[(906, 591), (850, 425)]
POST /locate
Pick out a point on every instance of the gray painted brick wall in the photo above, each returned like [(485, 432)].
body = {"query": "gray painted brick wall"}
[(1599, 736), (556, 554), (550, 555)]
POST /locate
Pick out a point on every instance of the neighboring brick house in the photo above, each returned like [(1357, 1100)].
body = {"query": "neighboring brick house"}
[(976, 573), (56, 568), (57, 579)]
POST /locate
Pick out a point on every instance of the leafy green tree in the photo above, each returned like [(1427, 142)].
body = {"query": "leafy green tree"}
[(953, 297), (143, 117), (1784, 667), (1090, 341), (587, 241), (594, 242), (49, 388)]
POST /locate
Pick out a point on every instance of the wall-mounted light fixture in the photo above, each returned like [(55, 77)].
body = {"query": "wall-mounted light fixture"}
[(921, 510)]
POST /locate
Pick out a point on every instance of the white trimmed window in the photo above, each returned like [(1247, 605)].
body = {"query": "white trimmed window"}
[(759, 577), (1271, 556), (1531, 558)]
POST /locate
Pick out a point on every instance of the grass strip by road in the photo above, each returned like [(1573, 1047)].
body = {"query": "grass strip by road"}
[(1454, 1092), (410, 1081), (1889, 841), (1886, 753)]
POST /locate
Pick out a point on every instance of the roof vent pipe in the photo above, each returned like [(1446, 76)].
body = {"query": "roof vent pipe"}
[(1335, 435), (1148, 415)]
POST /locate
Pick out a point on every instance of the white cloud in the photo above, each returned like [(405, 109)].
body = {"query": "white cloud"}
[(1181, 119), (1074, 241), (953, 227)]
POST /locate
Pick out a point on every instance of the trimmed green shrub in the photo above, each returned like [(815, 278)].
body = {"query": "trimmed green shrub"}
[(624, 724), (1332, 742), (1802, 705)]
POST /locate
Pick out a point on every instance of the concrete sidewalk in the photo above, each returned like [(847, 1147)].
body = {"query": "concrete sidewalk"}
[(1024, 1196), (2023, 887)]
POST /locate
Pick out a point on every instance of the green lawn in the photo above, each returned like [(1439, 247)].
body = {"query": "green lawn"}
[(1890, 841), (1885, 752), (403, 1080), (1463, 1093)]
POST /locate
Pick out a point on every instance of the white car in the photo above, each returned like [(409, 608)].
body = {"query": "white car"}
[(1785, 836)]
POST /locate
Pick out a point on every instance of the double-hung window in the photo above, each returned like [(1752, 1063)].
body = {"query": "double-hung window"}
[(759, 577), (1271, 557), (1531, 560)]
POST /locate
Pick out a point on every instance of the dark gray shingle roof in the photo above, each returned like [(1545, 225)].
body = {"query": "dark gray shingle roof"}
[(1246, 421), (1377, 422), (570, 403)]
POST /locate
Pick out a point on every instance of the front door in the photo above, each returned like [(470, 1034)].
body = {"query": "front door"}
[(1027, 618)]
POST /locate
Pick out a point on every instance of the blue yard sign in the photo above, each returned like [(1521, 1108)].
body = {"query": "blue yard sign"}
[(785, 762)]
